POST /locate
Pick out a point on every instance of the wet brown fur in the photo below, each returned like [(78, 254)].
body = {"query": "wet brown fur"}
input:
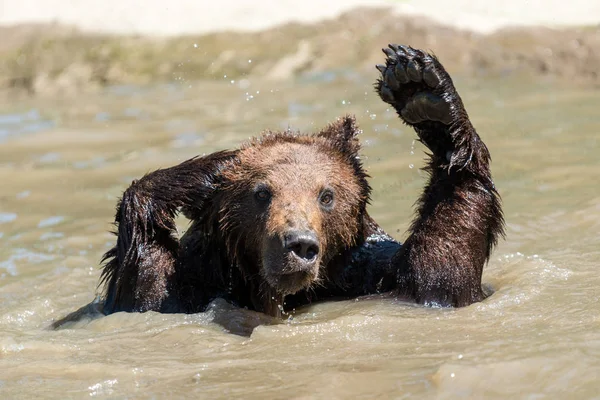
[(228, 250), (220, 255)]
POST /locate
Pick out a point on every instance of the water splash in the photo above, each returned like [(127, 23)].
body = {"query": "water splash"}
[(103, 388)]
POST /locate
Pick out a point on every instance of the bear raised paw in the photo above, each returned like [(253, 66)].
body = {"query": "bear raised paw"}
[(282, 221), (416, 85)]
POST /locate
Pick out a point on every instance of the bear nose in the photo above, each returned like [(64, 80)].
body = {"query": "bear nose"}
[(303, 244)]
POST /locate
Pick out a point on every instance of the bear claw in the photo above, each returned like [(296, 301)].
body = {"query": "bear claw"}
[(413, 82)]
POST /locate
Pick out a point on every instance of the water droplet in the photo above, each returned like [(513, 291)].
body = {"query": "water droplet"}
[(196, 45), (230, 285), (373, 116), (411, 166)]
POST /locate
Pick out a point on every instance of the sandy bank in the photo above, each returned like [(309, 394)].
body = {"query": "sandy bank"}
[(51, 59)]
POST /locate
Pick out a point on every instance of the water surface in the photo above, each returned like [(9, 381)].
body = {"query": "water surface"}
[(64, 162)]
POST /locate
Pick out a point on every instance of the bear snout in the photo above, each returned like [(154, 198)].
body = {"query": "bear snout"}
[(303, 245), (291, 260)]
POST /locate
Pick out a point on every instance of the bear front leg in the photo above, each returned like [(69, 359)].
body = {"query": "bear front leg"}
[(459, 216), (140, 269)]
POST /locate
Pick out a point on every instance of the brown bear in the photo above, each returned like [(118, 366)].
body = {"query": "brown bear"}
[(282, 221)]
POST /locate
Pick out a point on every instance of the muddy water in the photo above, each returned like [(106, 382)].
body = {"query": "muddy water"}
[(64, 162)]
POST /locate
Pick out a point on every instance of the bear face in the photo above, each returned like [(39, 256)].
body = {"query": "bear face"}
[(290, 203)]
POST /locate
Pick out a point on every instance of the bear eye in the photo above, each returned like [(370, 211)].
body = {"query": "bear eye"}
[(262, 194), (326, 198)]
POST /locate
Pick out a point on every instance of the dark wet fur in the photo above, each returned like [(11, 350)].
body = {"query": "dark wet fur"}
[(459, 216), (458, 221)]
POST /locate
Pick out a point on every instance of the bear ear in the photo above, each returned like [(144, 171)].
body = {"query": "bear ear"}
[(343, 133)]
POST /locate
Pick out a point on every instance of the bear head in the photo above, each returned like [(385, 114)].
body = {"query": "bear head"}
[(289, 203)]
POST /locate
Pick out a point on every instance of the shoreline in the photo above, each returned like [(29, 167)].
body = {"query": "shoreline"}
[(54, 59)]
